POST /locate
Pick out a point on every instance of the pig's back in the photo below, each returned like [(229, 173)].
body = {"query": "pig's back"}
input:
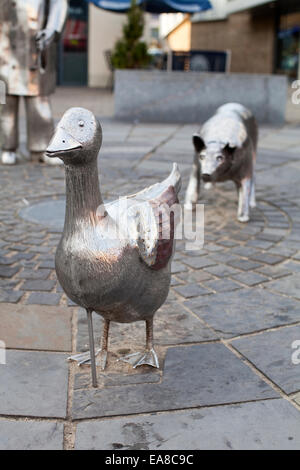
[(236, 108), (232, 124), (245, 115)]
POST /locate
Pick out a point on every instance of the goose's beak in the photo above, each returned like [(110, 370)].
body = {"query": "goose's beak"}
[(61, 143)]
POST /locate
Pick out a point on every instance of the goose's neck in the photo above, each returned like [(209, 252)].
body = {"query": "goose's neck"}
[(83, 195)]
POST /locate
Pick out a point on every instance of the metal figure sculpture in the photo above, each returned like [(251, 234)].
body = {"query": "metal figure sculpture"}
[(225, 149), (112, 259), (28, 33)]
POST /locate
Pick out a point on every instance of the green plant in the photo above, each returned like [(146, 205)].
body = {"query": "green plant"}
[(130, 52)]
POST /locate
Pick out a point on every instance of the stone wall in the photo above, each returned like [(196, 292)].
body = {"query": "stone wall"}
[(190, 97)]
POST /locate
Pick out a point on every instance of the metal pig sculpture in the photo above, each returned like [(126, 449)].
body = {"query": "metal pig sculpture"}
[(112, 259), (225, 149)]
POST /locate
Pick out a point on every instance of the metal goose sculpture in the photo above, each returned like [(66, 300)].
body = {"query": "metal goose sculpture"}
[(112, 259)]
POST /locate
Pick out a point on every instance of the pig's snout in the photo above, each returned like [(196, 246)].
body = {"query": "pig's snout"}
[(206, 178)]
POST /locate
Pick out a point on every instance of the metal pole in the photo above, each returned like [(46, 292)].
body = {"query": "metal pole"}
[(92, 347)]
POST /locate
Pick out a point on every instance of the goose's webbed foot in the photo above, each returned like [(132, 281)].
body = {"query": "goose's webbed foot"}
[(85, 358), (82, 358), (148, 357), (100, 354)]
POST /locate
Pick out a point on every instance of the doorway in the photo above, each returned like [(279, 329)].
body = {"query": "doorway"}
[(73, 46)]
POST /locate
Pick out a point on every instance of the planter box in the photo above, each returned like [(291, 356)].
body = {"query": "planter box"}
[(190, 97)]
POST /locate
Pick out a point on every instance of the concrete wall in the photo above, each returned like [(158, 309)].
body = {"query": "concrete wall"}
[(249, 37), (190, 97)]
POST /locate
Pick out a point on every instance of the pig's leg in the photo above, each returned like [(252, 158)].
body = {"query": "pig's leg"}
[(252, 193), (193, 189), (244, 200)]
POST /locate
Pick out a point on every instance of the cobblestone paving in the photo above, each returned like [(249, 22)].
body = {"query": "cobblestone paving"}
[(224, 337)]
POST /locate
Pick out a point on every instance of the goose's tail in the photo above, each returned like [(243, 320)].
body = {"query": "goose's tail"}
[(174, 179)]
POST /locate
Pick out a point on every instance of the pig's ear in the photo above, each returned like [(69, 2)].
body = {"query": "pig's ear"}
[(229, 150), (198, 143)]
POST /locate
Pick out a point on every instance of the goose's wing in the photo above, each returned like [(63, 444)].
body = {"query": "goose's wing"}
[(150, 221)]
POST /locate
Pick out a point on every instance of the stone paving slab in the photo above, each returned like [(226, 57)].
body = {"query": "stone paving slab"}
[(222, 285), (247, 426), (289, 286), (9, 295), (36, 327), (244, 311), (274, 272), (34, 384), (30, 435), (221, 270), (172, 325), (38, 285), (271, 352), (43, 298), (193, 276), (293, 266), (203, 375), (267, 258), (192, 290), (8, 272), (250, 279), (107, 379), (243, 264)]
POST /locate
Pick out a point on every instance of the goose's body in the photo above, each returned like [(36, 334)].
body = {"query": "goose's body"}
[(112, 259), (103, 268)]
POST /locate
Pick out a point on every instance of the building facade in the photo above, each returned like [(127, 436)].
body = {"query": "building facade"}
[(262, 36), (248, 35)]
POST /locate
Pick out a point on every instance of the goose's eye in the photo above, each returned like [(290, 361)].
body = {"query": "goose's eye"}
[(81, 124), (220, 158)]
